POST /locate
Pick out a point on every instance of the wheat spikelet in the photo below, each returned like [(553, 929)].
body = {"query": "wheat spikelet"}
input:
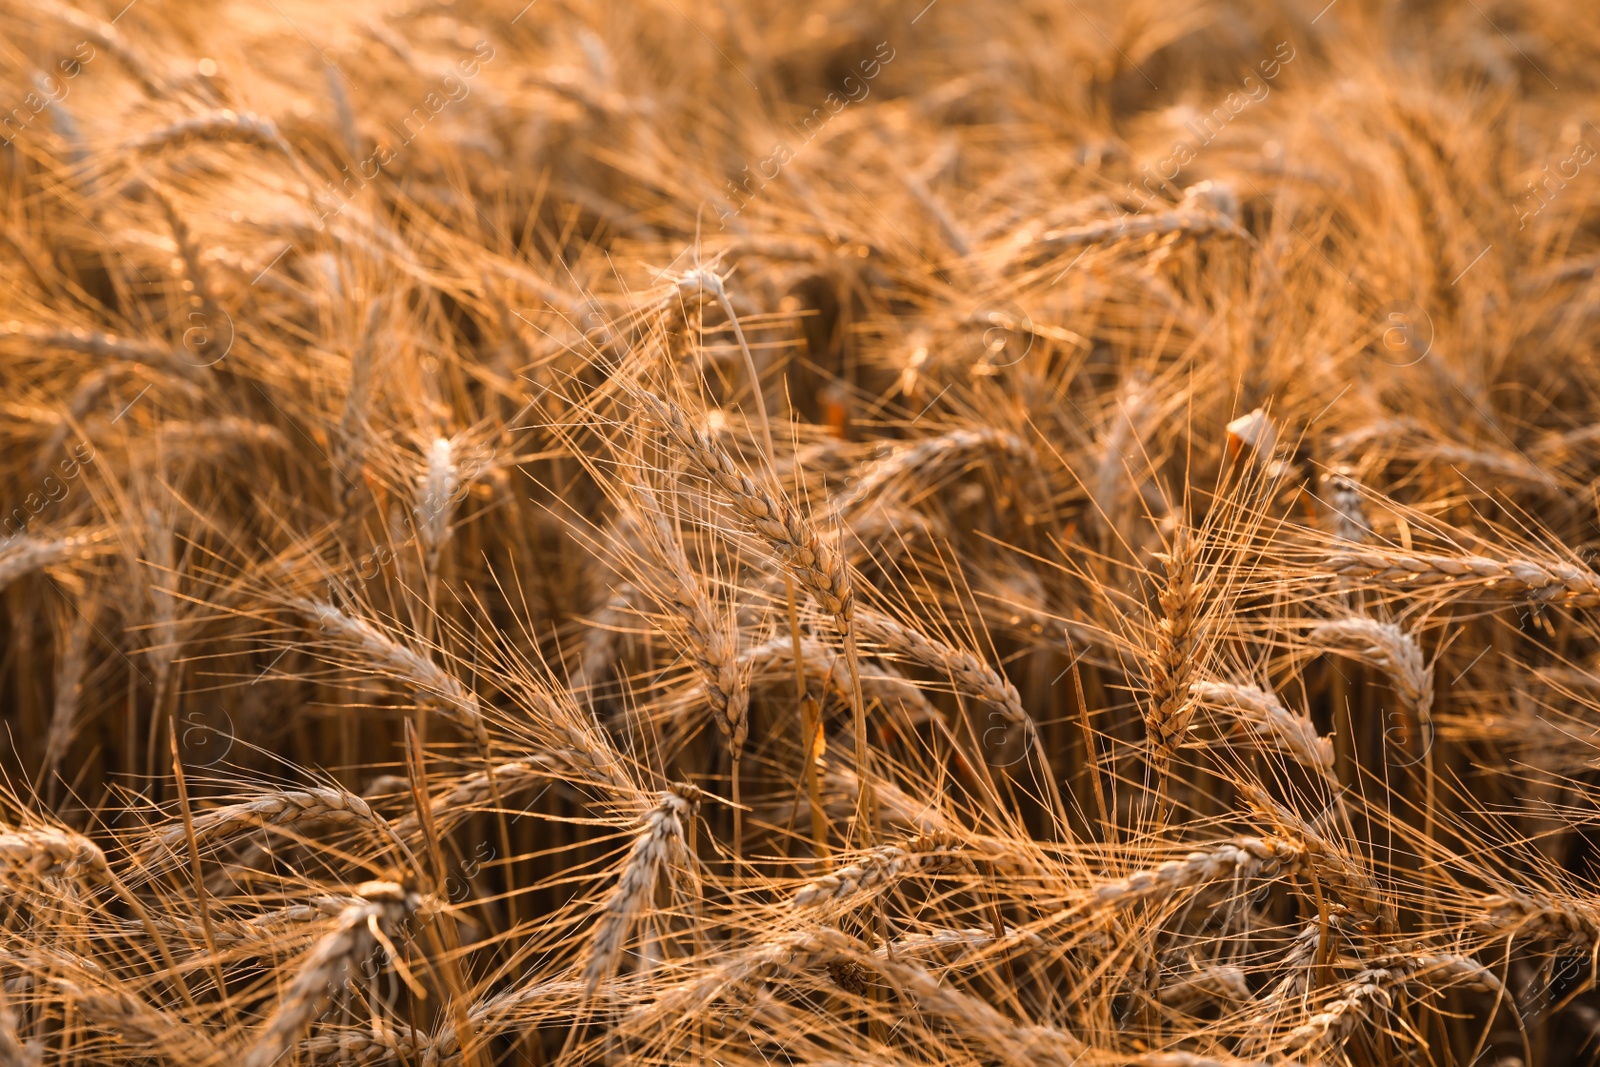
[(93, 343), (712, 644), (773, 660), (1442, 970), (1372, 989), (71, 663), (291, 807), (436, 491), (1265, 716), (973, 1017), (967, 672), (1206, 984), (378, 1042), (1350, 880), (878, 868), (49, 851), (1171, 704), (212, 317), (13, 1053), (119, 1011), (352, 438), (1207, 208), (23, 554), (203, 436), (1241, 858), (431, 684), (240, 127), (458, 802), (1542, 580), (733, 973), (927, 460), (1346, 506), (106, 35), (1537, 915), (963, 941), (1369, 989), (1386, 647), (652, 849), (814, 563), (356, 932)]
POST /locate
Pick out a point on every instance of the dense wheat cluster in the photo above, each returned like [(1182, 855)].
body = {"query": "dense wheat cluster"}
[(854, 532)]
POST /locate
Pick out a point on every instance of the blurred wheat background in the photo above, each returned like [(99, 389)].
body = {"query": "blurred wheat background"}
[(736, 533)]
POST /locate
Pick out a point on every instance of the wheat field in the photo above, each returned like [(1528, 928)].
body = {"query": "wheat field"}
[(744, 534)]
